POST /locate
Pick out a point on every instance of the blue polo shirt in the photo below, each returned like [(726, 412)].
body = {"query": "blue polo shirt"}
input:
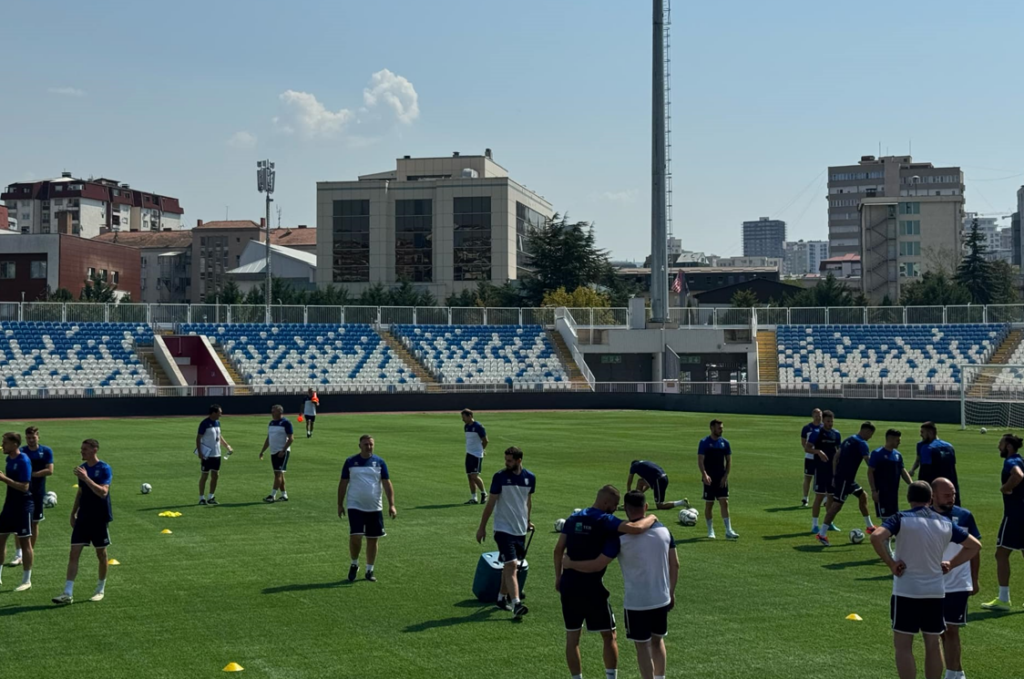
[(40, 458), (93, 508), (588, 534)]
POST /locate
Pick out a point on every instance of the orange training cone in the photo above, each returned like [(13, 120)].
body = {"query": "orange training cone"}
[(300, 417)]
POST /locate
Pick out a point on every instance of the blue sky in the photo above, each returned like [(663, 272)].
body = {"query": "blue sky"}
[(182, 99)]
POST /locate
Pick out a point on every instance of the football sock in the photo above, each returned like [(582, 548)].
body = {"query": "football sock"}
[(659, 676), (26, 577), (805, 498), (577, 676), (369, 568), (677, 503), (100, 585), (867, 521), (1004, 593), (515, 602), (355, 562), (711, 524), (1, 572), (728, 525), (273, 493), (69, 587), (823, 531), (814, 525), (284, 494), (17, 554), (472, 496), (501, 598), (611, 674)]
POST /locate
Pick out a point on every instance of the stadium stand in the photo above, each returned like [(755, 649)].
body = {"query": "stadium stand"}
[(485, 354), (73, 357), (828, 356), (350, 357)]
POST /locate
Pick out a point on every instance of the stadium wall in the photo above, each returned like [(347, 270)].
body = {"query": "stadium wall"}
[(881, 410)]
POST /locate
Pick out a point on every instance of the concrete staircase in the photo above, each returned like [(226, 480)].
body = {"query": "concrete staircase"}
[(409, 360), (148, 359), (241, 386), (982, 386), (767, 362), (565, 357)]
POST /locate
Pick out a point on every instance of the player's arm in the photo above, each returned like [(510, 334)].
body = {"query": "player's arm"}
[(266, 444), (529, 510), (872, 483), (21, 487), (907, 478), (637, 527), (591, 566), (389, 491), (629, 482), (728, 469), (199, 443), (481, 532), (673, 572), (484, 441), (47, 470), (75, 506), (1016, 476), (225, 444), (917, 464), (98, 489), (342, 489), (879, 540), (703, 473), (559, 553)]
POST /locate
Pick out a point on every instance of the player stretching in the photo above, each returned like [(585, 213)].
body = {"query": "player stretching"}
[(511, 502), (824, 445), (654, 477), (279, 440), (961, 583), (885, 471), (16, 517), (1011, 530), (585, 536), (810, 459), (208, 443), (476, 444), (89, 519), (368, 475), (309, 410), (936, 458), (714, 459), (41, 459), (852, 452)]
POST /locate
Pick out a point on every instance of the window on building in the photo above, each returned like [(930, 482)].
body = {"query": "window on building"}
[(910, 248), (910, 208), (7, 270), (910, 227), (37, 268), (910, 269), (414, 237), (472, 238), (103, 275), (202, 241), (351, 241), (144, 262), (116, 277), (527, 221), (142, 284), (90, 272)]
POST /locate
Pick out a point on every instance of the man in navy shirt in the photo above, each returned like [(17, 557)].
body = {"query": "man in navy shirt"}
[(885, 471), (935, 458), (654, 477), (41, 458), (714, 459), (16, 516), (824, 445), (810, 460), (852, 452), (279, 440), (90, 517), (476, 444), (1011, 531), (585, 536)]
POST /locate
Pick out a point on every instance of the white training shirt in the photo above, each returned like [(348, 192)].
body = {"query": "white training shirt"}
[(475, 435), (278, 432), (365, 476), (959, 579), (511, 509), (922, 536), (209, 442), (309, 408), (643, 559)]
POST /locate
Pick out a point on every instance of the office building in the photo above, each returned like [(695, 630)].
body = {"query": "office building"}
[(31, 263), (804, 257), (165, 260), (444, 224), (88, 207), (764, 238), (886, 177)]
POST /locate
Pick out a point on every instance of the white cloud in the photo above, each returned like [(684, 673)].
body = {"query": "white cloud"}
[(394, 91), (66, 91), (311, 117), (242, 140), (625, 196)]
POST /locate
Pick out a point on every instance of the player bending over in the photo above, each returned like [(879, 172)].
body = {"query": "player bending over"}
[(654, 477)]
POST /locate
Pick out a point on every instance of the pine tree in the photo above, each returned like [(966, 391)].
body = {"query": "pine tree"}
[(975, 272), (744, 298)]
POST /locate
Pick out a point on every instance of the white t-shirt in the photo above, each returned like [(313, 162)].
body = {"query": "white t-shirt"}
[(922, 538), (309, 408), (475, 435), (278, 432), (209, 442), (365, 476), (643, 559), (511, 513), (959, 579)]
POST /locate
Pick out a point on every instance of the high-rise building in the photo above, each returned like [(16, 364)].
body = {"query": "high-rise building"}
[(804, 257), (885, 177), (764, 238), (991, 234)]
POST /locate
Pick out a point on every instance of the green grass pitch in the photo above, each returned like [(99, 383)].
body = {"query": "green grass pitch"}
[(261, 585)]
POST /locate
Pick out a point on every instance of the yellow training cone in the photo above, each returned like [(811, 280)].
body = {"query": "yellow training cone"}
[(75, 486), (166, 531), (233, 667), (175, 514), (854, 616), (113, 562)]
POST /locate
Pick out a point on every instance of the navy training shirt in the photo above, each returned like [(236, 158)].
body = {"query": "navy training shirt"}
[(587, 536), (851, 454), (714, 451)]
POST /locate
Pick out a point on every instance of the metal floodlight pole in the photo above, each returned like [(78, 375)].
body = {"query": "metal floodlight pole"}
[(659, 224), (265, 175)]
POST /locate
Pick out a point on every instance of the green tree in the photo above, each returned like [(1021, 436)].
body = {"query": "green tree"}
[(229, 293), (744, 298), (98, 291), (1004, 286), (934, 289), (581, 297), (975, 272), (563, 255), (255, 296), (466, 298), (375, 295), (406, 294), (828, 293), (58, 295), (330, 296)]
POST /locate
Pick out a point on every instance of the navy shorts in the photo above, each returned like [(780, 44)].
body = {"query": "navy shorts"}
[(280, 462), (844, 488), (210, 464), (659, 488), (954, 608), (887, 505), (474, 464), (715, 491), (822, 477), (810, 465), (1011, 534), (370, 524), (910, 616), (37, 507), (642, 625), (309, 418), (17, 520), (590, 607), (510, 547), (90, 533)]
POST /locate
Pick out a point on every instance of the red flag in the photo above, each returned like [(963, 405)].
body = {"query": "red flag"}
[(679, 283)]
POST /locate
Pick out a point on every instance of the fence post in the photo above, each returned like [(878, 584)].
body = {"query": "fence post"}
[(520, 315), (63, 312), (106, 313), (945, 318), (379, 315), (714, 317), (826, 316), (984, 314), (485, 315), (149, 314), (865, 315), (904, 315), (342, 315), (414, 316), (449, 315), (21, 311), (305, 315), (228, 314)]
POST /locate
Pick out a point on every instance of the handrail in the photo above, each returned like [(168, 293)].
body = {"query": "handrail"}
[(564, 315)]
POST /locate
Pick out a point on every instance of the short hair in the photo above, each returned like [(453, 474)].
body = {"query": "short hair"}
[(31, 430), (514, 452), (930, 426), (634, 498), (828, 413), (92, 443), (1014, 441), (895, 433), (364, 437), (215, 409), (12, 436), (609, 490), (919, 492), (466, 411), (867, 425), (277, 407), (816, 410), (714, 422)]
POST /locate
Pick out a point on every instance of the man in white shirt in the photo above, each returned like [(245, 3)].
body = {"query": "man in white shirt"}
[(279, 440), (476, 444), (366, 475), (309, 410), (208, 443), (918, 567), (961, 583), (650, 569)]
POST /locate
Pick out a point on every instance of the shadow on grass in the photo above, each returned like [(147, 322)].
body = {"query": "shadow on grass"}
[(787, 536), (877, 578), (306, 587), (15, 610), (853, 564), (698, 538), (483, 613), (814, 548), (977, 616), (197, 506), (775, 510), (448, 506)]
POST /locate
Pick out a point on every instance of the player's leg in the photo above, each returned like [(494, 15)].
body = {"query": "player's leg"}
[(906, 666), (572, 652), (202, 486), (819, 498), (3, 555), (310, 421), (69, 584), (35, 533), (932, 656), (658, 656), (27, 557), (101, 580), (610, 652), (355, 545), (951, 649), (279, 482), (1003, 578), (511, 582), (214, 475), (862, 500), (723, 504), (644, 660), (371, 556), (808, 477)]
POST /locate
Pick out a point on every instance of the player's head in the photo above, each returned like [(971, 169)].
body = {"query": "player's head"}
[(608, 499), (366, 444), (12, 441), (90, 449), (215, 412), (716, 428), (310, 392), (32, 437), (919, 493), (867, 430), (816, 416), (828, 418), (636, 505), (943, 495), (1009, 445), (513, 459), (928, 432), (467, 415), (277, 412), (893, 438)]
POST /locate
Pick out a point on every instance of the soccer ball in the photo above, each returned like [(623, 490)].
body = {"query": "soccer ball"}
[(694, 511), (983, 430), (50, 500), (146, 488), (856, 536), (577, 510), (687, 517), (559, 525)]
